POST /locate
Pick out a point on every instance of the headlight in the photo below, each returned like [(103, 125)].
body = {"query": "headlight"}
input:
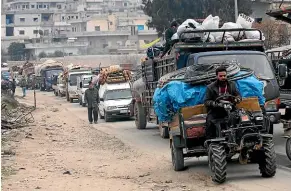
[(111, 107), (259, 118), (272, 105)]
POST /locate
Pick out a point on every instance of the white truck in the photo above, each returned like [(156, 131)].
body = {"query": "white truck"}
[(71, 85), (115, 101), (82, 86)]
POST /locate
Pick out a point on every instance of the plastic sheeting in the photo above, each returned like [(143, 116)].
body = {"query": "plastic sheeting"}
[(175, 95)]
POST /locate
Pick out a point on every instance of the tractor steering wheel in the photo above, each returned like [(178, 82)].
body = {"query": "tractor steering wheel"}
[(221, 98)]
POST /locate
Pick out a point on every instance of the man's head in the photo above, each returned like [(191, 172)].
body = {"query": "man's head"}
[(174, 24), (91, 85), (221, 74)]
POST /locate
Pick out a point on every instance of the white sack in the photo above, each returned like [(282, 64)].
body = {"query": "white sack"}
[(245, 21), (227, 37), (231, 25)]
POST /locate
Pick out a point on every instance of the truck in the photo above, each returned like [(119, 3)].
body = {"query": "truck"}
[(82, 86), (186, 53), (44, 73), (70, 79), (281, 59), (59, 85)]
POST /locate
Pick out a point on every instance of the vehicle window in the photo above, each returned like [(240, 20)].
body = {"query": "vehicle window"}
[(51, 73), (258, 63), (73, 78), (117, 94)]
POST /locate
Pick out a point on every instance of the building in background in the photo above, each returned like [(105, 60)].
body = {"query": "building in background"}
[(75, 26)]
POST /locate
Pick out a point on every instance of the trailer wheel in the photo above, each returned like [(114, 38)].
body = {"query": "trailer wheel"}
[(217, 162), (177, 158), (140, 116), (267, 164)]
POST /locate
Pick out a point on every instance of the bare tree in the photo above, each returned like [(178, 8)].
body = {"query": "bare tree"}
[(275, 32)]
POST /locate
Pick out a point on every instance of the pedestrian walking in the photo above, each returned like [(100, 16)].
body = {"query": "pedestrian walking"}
[(23, 84), (92, 98)]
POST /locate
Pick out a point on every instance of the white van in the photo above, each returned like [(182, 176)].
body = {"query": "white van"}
[(72, 83), (115, 100), (82, 86)]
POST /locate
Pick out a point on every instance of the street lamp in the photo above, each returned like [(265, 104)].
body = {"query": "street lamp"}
[(235, 10)]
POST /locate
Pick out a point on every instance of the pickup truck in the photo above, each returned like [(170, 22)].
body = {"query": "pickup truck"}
[(184, 54)]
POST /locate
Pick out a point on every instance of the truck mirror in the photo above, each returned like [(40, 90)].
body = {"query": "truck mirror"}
[(283, 71)]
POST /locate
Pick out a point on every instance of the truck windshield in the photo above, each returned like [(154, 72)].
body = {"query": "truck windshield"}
[(258, 63), (50, 73), (117, 94), (73, 78)]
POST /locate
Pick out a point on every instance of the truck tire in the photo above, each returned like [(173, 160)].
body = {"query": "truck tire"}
[(271, 129), (140, 116), (164, 132), (177, 158), (267, 164), (217, 162)]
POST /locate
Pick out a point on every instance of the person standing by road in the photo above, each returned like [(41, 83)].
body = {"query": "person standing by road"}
[(92, 98), (13, 86), (23, 84)]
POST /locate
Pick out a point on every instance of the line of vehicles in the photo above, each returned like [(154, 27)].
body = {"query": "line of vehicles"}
[(248, 135)]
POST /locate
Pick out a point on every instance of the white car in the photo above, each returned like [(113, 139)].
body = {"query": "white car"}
[(82, 86), (115, 103)]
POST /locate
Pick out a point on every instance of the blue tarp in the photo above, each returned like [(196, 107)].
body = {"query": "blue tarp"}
[(175, 95)]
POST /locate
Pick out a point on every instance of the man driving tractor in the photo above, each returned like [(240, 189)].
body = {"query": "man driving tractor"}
[(216, 89)]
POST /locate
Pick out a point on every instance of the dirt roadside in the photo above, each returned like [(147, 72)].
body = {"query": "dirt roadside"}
[(62, 152)]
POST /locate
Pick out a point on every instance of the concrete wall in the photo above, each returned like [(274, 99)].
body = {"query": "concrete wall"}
[(103, 23), (29, 31), (105, 60)]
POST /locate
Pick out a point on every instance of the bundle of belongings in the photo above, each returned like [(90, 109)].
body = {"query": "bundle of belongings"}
[(114, 74), (212, 23), (176, 94)]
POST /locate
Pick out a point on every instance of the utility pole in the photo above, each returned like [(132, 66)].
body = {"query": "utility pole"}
[(235, 10)]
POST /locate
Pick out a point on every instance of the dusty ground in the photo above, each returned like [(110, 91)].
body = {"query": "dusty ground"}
[(60, 151)]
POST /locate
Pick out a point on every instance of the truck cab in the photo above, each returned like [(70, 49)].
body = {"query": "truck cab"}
[(71, 86), (115, 101), (190, 52), (82, 86)]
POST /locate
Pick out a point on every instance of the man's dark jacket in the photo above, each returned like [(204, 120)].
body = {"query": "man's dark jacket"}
[(212, 93), (92, 97)]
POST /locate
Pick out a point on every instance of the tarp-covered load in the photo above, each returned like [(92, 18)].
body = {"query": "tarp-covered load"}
[(47, 64), (176, 94)]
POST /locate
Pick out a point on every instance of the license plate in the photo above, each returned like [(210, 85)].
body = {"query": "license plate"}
[(245, 118), (282, 111), (123, 111)]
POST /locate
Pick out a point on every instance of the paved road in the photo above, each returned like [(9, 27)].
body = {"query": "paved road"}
[(148, 140)]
